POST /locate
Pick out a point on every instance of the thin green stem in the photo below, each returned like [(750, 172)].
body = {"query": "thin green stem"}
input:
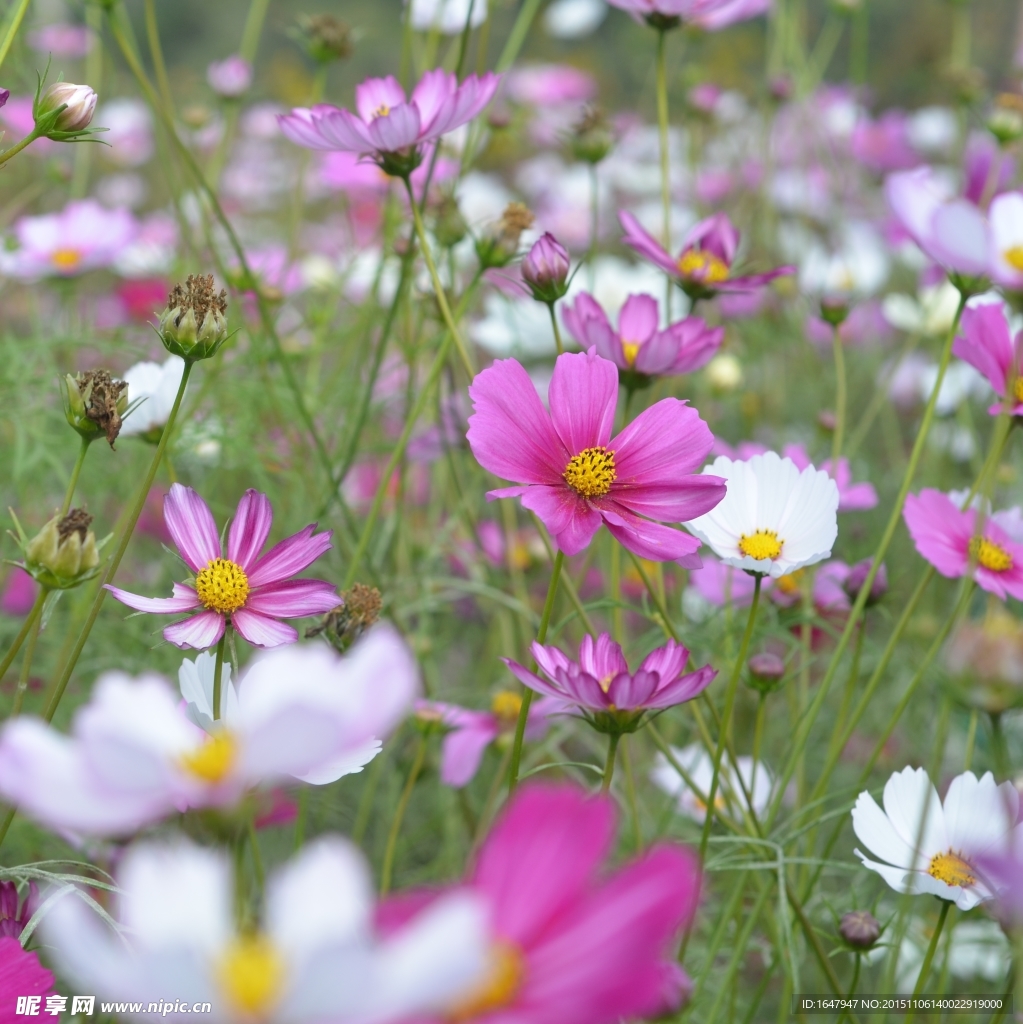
[(218, 673), (156, 54), (609, 764), (662, 127), (630, 793), (554, 327), (257, 858), (83, 450), (971, 739), (726, 716), (36, 618), (838, 351), (517, 36), (17, 17), (998, 746), (18, 147), (253, 30), (399, 815), (925, 967), (122, 546), (12, 653), (527, 696)]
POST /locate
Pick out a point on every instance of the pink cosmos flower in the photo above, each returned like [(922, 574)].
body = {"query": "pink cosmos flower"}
[(19, 593), (851, 497), (704, 267), (575, 476), (719, 584), (389, 128), (21, 974), (249, 590), (944, 535), (541, 85), (471, 732), (62, 40), (570, 943), (883, 145), (83, 236), (230, 77), (601, 684), (639, 346), (985, 342), (13, 917), (828, 588), (710, 15)]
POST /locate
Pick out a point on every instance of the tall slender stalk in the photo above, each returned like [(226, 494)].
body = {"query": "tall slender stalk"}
[(399, 815), (17, 17), (662, 129), (609, 764), (35, 617), (83, 450), (218, 673), (840, 399)]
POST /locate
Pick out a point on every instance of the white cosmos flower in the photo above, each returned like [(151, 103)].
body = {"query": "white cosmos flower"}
[(314, 956), (157, 386), (698, 764), (773, 518), (930, 847)]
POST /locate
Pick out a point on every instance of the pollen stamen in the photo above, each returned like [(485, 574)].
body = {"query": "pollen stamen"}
[(592, 472), (222, 586), (990, 555), (951, 869), (702, 266), (760, 545)]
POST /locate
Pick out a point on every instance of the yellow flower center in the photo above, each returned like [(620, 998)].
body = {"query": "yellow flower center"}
[(704, 266), (506, 706), (214, 759), (1017, 389), (66, 259), (951, 869), (222, 586), (592, 472), (790, 583), (762, 544), (251, 974), (630, 349), (990, 555), (382, 111), (1014, 257), (503, 980)]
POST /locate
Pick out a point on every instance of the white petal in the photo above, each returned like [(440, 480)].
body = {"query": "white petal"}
[(875, 831), (913, 808)]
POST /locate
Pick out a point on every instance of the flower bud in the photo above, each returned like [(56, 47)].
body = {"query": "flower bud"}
[(94, 404), (449, 226), (545, 269), (79, 103), (592, 138), (5, 95), (498, 247), (766, 671), (230, 78), (1005, 122), (860, 929), (64, 552), (360, 608), (193, 325), (324, 37), (858, 576), (724, 372), (834, 310)]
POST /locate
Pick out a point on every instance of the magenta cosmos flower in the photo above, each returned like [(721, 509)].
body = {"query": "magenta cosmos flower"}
[(945, 536), (704, 267), (250, 591), (986, 343), (21, 974), (600, 683), (575, 476), (570, 943), (639, 346), (389, 128)]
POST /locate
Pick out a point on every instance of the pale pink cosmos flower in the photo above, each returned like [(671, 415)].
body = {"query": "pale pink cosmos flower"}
[(571, 942), (639, 345), (720, 585), (601, 685), (575, 476), (387, 127), (541, 85), (230, 77), (252, 592), (851, 497), (704, 266), (62, 40), (986, 343), (83, 236), (710, 15), (19, 593), (944, 535)]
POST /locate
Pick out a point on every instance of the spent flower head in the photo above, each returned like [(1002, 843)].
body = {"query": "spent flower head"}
[(95, 403), (324, 37), (359, 609), (592, 137), (499, 246), (193, 325), (64, 553)]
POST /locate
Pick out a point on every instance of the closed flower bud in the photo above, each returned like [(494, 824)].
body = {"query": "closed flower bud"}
[(860, 929), (5, 95), (499, 247), (545, 269), (857, 577), (193, 325), (64, 552), (78, 103), (449, 226), (1005, 122), (766, 671), (94, 404), (834, 310)]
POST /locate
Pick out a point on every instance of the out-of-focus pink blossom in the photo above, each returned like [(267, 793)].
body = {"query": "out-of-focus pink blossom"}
[(62, 40), (230, 77), (144, 298), (19, 593), (16, 115), (710, 15), (129, 133), (15, 913), (986, 343), (21, 974), (851, 497), (865, 325), (543, 84), (720, 585), (987, 169), (883, 145), (828, 591)]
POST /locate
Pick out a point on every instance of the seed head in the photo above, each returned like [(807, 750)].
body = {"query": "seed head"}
[(63, 553), (193, 325), (325, 37), (499, 246), (94, 404), (360, 608)]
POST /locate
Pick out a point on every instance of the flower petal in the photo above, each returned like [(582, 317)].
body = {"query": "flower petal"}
[(249, 528), (262, 631), (200, 631), (185, 600), (292, 555), (651, 540), (461, 753), (638, 238), (583, 396), (294, 598), (192, 527), (570, 518)]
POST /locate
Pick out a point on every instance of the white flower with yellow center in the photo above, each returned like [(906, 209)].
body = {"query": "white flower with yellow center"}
[(931, 847), (773, 519), (313, 955), (1007, 239)]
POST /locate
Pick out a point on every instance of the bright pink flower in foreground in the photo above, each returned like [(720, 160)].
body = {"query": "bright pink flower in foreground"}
[(600, 681), (387, 124), (21, 974), (251, 591), (851, 497), (944, 535), (639, 345), (985, 343), (575, 476), (571, 943), (704, 266)]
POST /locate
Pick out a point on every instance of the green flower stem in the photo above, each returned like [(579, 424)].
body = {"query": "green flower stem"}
[(630, 794), (83, 450), (218, 673), (726, 716), (156, 55), (925, 967), (257, 857), (807, 721), (617, 626), (26, 628), (14, 23), (554, 325), (122, 546), (35, 618), (998, 746), (662, 126), (840, 399), (971, 739), (527, 696), (609, 764), (725, 986), (253, 30), (18, 147), (728, 912), (399, 814), (438, 288), (517, 36)]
